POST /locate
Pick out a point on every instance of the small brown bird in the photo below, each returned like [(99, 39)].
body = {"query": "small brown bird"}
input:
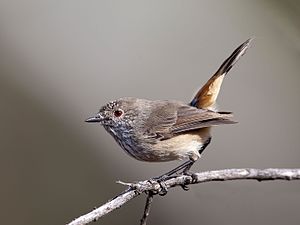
[(158, 131)]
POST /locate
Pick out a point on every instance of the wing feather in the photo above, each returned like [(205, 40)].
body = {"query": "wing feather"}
[(170, 119), (190, 118)]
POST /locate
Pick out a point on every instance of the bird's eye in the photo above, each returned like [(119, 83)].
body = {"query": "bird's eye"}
[(118, 113)]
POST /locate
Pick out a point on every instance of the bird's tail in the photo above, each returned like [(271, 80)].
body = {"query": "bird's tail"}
[(207, 95)]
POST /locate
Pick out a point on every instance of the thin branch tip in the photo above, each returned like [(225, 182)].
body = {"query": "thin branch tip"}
[(124, 183)]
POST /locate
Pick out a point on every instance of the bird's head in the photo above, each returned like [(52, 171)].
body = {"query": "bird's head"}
[(116, 114)]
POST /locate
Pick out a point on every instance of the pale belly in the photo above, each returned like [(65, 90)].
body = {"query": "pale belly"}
[(183, 146)]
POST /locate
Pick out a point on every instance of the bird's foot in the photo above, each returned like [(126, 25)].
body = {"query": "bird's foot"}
[(187, 172), (163, 190), (161, 181), (190, 174)]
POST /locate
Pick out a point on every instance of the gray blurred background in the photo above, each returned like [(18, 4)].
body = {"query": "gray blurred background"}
[(61, 60)]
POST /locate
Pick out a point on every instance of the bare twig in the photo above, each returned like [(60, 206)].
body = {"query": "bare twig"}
[(219, 175), (147, 208)]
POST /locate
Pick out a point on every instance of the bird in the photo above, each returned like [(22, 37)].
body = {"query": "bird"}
[(167, 130)]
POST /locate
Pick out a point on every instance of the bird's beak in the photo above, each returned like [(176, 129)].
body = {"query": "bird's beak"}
[(94, 119)]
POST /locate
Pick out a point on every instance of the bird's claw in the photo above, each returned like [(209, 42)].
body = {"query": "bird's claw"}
[(163, 190), (184, 187)]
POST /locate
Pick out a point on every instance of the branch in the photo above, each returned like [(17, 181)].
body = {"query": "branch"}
[(136, 189), (147, 208)]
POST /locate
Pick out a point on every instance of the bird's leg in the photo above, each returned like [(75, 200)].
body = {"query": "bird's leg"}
[(185, 167), (186, 170)]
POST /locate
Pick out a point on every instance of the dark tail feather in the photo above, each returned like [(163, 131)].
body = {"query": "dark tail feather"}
[(233, 58), (207, 95)]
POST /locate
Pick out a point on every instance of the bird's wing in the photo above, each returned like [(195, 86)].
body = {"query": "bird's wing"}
[(169, 120), (190, 118)]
